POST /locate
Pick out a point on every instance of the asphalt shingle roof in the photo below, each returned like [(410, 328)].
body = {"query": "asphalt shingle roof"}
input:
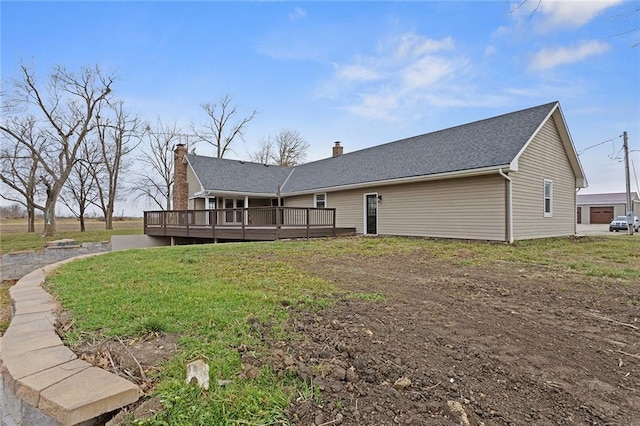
[(486, 143), (490, 142), (234, 175), (609, 198)]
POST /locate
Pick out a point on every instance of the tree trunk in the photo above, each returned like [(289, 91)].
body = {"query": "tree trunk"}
[(108, 220), (31, 218), (108, 213), (50, 217), (82, 226)]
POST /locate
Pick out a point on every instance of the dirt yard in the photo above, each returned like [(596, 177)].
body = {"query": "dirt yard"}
[(431, 343), (460, 346)]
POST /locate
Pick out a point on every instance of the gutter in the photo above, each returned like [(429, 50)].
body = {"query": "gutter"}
[(398, 181), (510, 203)]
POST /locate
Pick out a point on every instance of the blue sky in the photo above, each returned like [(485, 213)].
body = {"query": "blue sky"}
[(363, 73)]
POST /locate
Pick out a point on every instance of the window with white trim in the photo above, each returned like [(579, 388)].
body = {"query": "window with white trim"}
[(548, 198), (320, 201)]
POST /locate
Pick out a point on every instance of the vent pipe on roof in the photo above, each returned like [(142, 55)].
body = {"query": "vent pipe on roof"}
[(337, 149)]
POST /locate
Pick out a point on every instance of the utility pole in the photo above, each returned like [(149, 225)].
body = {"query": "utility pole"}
[(625, 146)]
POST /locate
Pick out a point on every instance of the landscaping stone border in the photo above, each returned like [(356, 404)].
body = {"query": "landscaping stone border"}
[(42, 382)]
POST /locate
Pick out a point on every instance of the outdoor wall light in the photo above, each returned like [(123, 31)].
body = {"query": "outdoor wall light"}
[(379, 197)]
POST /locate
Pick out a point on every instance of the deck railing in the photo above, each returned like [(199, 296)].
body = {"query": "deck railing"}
[(206, 222)]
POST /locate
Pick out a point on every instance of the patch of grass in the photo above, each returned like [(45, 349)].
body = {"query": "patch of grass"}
[(218, 297), (148, 326), (606, 256), (5, 317), (14, 237)]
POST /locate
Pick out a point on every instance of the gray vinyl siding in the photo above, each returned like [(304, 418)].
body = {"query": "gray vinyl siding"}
[(299, 201), (349, 207), (192, 183), (544, 158), (198, 204), (465, 208)]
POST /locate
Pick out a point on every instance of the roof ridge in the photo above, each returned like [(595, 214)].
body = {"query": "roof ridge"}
[(207, 157), (293, 169), (548, 104)]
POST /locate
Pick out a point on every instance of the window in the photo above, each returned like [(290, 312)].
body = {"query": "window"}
[(320, 201), (548, 198), (233, 215)]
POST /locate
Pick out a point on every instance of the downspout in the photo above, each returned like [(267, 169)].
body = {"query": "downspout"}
[(575, 209), (509, 204)]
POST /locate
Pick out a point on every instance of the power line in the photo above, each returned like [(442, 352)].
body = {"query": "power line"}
[(598, 144)]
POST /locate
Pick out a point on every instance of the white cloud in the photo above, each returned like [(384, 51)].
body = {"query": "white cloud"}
[(412, 45), (561, 13), (550, 58), (548, 15), (426, 71), (356, 73), (379, 106), (297, 14), (403, 68), (490, 50)]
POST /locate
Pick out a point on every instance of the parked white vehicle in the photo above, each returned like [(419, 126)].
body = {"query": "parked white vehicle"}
[(619, 223)]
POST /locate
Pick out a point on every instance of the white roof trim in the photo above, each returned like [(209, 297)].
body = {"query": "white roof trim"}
[(215, 193), (565, 138)]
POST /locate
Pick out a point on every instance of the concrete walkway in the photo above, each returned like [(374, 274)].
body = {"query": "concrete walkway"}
[(41, 381)]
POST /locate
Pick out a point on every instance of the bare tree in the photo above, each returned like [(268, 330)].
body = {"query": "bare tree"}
[(286, 149), (67, 106), (18, 166), (14, 211), (155, 182), (119, 134), (79, 192), (265, 154), (291, 148), (223, 125)]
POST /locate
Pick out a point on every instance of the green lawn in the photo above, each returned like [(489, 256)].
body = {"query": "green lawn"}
[(14, 238), (5, 316), (213, 295)]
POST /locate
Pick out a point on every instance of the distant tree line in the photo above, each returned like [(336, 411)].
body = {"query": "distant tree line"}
[(68, 139)]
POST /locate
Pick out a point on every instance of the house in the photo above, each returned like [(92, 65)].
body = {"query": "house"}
[(602, 208), (505, 178)]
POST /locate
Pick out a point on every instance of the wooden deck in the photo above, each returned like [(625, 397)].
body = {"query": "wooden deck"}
[(250, 224)]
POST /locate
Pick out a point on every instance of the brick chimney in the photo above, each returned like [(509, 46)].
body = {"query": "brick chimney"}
[(337, 149), (180, 186)]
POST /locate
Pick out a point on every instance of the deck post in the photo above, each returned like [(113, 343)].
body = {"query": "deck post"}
[(278, 221), (212, 222), (308, 221), (164, 221), (186, 219), (334, 221), (245, 215)]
